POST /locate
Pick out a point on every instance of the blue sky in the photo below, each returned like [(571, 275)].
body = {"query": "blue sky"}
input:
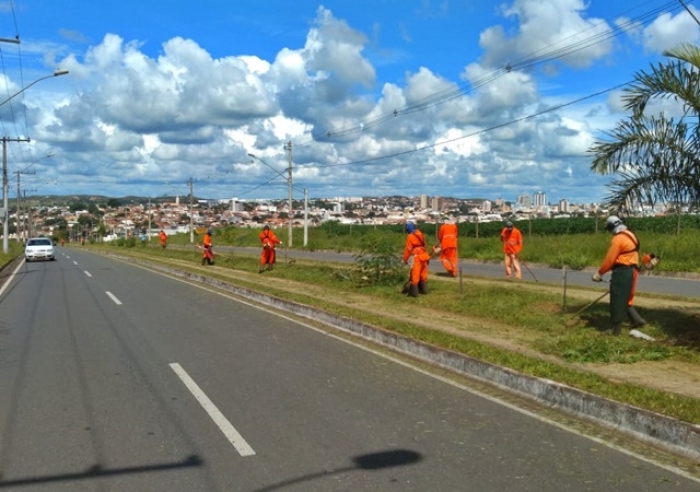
[(378, 97)]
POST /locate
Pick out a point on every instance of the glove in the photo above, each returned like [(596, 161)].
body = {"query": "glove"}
[(281, 243), (596, 277)]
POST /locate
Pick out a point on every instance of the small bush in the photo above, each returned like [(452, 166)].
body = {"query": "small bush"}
[(378, 263)]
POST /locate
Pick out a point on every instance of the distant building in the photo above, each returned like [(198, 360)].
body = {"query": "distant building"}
[(423, 201), (563, 206), (539, 199), (485, 206), (435, 204), (525, 201)]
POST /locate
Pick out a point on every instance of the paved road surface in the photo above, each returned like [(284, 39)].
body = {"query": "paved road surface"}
[(114, 378)]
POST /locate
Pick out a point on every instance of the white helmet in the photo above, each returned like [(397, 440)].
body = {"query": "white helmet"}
[(613, 223)]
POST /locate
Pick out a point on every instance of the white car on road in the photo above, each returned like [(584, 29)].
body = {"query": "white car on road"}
[(39, 248)]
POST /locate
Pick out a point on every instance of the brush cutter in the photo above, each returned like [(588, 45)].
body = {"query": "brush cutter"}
[(569, 323), (528, 269)]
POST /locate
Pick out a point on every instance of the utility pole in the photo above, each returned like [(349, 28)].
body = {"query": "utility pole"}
[(19, 195), (148, 234), (306, 216), (288, 148), (191, 220), (5, 186)]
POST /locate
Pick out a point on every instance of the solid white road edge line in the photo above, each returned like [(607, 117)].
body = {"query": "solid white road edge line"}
[(87, 273), (12, 276), (114, 298), (224, 425)]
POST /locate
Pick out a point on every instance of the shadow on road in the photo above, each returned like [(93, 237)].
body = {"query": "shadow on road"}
[(97, 471), (372, 461)]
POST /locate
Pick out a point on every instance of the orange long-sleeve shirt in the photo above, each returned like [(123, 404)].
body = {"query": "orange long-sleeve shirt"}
[(512, 240), (447, 235), (415, 245), (206, 242), (623, 250), (269, 239)]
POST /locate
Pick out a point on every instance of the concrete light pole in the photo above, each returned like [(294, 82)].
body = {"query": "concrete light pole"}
[(5, 225), (288, 148)]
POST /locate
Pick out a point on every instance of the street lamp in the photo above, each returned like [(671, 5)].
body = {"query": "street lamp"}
[(19, 196), (5, 214), (56, 73)]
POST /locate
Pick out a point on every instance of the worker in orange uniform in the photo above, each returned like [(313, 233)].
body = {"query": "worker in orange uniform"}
[(207, 252), (268, 256), (512, 241), (447, 235), (623, 260), (163, 238), (416, 255)]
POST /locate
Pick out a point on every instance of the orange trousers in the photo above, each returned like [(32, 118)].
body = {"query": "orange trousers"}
[(268, 256), (448, 256), (419, 270)]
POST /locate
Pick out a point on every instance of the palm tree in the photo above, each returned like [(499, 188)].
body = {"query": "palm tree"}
[(656, 158)]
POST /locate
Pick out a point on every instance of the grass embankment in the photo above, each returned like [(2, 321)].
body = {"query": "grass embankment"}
[(515, 325), (14, 250), (576, 251)]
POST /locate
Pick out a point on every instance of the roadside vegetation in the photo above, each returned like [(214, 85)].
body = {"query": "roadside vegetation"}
[(576, 243), (15, 249), (516, 325)]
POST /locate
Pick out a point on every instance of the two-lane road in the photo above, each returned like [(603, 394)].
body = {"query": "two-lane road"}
[(115, 378)]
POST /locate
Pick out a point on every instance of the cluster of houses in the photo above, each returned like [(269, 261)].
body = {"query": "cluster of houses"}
[(173, 216)]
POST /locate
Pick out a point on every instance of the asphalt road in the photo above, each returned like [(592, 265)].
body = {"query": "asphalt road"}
[(114, 378), (531, 273)]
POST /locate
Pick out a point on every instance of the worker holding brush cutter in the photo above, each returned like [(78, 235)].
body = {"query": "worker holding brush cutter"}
[(622, 259), (207, 251), (415, 254), (268, 256), (447, 235), (512, 240)]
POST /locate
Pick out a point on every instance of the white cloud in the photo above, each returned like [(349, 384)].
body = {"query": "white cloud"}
[(667, 31), (185, 113)]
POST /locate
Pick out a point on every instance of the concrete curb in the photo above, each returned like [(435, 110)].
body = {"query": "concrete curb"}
[(671, 434)]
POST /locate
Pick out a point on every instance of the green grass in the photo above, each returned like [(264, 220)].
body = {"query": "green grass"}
[(14, 249), (576, 251)]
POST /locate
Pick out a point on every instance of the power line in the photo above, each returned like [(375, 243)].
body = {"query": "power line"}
[(484, 130), (548, 54)]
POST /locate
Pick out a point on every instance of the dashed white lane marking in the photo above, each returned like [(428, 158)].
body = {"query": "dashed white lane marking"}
[(224, 425), (114, 298), (87, 273), (75, 262)]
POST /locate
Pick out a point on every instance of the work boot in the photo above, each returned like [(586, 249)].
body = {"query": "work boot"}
[(637, 320), (413, 290), (423, 287), (617, 329)]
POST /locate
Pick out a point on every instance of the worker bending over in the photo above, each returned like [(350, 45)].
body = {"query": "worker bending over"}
[(416, 255)]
